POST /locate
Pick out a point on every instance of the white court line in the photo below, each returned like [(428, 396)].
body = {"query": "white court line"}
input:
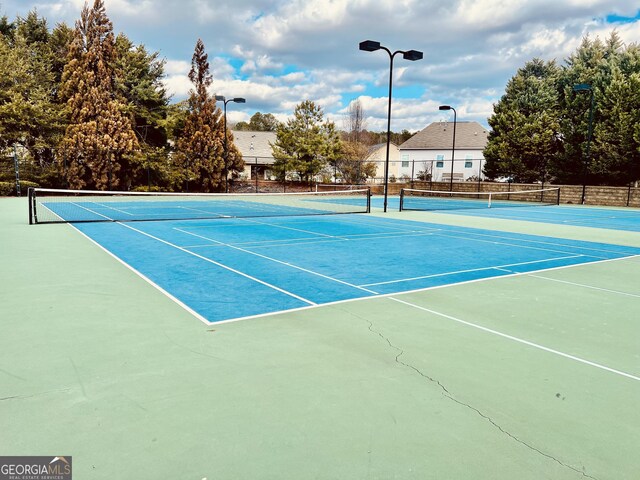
[(207, 212), (494, 242), (294, 243), (290, 228), (592, 287), (453, 230), (251, 220), (416, 290), (112, 208), (54, 213), (496, 267), (279, 261), (519, 340), (92, 211), (242, 274)]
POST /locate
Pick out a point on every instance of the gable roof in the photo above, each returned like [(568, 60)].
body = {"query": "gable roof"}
[(439, 136), (254, 144), (374, 148)]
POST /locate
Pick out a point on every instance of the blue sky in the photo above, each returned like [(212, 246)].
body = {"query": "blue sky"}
[(277, 53)]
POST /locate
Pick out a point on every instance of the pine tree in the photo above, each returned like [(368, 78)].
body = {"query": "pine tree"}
[(100, 137), (139, 82), (616, 144), (524, 139), (30, 115), (201, 143), (306, 143)]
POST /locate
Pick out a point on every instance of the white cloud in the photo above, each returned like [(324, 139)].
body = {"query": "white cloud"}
[(277, 54)]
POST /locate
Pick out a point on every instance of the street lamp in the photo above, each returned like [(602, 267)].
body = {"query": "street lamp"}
[(453, 148), (585, 87), (226, 151), (412, 55)]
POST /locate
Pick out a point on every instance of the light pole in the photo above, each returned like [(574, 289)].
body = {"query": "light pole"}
[(585, 87), (413, 55), (453, 148), (226, 152)]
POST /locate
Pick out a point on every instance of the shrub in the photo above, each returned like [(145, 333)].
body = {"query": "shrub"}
[(9, 188)]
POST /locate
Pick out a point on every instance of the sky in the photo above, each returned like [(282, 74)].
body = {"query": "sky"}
[(278, 53)]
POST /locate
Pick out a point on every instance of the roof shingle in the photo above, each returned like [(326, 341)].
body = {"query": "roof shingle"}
[(439, 136)]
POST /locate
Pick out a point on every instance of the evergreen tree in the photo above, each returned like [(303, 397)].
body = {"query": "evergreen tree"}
[(259, 122), (59, 43), (591, 64), (99, 139), (306, 143), (525, 124), (139, 81), (201, 143), (7, 28), (30, 116), (616, 144)]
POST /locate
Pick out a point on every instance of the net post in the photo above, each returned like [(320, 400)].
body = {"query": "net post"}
[(369, 200), (558, 197), (401, 198), (32, 204)]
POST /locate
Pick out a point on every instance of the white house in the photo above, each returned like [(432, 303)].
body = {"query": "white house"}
[(378, 154), (430, 151)]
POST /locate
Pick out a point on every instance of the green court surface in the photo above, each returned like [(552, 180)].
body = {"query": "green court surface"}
[(532, 376)]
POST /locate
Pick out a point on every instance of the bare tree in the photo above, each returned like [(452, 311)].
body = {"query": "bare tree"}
[(355, 122)]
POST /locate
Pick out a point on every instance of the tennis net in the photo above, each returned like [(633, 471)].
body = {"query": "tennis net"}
[(412, 199), (59, 206), (339, 187)]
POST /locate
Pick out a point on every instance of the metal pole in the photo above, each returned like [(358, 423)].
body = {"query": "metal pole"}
[(16, 166), (386, 162), (431, 177), (453, 148), (224, 153), (413, 169), (256, 170), (586, 161)]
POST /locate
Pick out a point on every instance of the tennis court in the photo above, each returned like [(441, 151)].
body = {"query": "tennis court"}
[(403, 345), (579, 216), (508, 205), (259, 266)]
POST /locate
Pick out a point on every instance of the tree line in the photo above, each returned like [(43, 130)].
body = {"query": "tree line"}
[(86, 108), (540, 128), (89, 110)]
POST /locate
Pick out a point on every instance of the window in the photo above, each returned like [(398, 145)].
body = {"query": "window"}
[(439, 164), (468, 164), (439, 161), (405, 160)]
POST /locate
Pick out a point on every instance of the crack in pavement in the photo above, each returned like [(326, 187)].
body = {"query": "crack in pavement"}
[(450, 396)]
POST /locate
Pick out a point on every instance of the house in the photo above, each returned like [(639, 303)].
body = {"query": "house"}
[(429, 152), (256, 152), (377, 154)]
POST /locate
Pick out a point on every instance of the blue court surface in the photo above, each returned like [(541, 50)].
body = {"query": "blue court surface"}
[(235, 268), (625, 219), (578, 216)]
